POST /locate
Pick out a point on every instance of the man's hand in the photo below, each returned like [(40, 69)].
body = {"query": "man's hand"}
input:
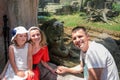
[(61, 70)]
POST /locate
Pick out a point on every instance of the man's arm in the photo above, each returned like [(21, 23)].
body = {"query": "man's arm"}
[(95, 73), (76, 69)]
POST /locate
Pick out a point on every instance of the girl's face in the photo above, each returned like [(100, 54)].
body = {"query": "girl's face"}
[(35, 36), (21, 39)]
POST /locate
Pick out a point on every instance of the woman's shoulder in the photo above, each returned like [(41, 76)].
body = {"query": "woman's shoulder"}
[(28, 44), (44, 47)]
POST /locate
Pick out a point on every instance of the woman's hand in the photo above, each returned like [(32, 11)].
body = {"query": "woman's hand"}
[(30, 73), (53, 71), (45, 64)]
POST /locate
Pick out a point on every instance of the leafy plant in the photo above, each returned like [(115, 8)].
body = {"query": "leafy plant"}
[(116, 6)]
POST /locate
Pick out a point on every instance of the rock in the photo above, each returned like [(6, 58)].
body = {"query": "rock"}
[(111, 45)]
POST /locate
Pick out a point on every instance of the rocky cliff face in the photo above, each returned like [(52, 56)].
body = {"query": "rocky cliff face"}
[(111, 45)]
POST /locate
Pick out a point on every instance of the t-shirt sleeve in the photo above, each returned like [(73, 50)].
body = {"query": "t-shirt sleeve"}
[(45, 56), (96, 59)]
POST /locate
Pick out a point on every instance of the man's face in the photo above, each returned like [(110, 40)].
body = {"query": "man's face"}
[(80, 39)]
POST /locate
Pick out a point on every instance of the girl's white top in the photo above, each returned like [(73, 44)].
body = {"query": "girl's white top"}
[(20, 55)]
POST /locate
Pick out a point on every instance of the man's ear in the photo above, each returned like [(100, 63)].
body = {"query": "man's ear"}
[(88, 36)]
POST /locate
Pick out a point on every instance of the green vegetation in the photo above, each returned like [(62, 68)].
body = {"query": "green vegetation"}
[(81, 19), (116, 6)]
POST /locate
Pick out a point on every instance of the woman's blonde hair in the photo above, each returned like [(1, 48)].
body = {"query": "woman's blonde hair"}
[(43, 41)]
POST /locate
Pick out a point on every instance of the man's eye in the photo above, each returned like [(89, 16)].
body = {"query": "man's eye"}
[(79, 36), (74, 38)]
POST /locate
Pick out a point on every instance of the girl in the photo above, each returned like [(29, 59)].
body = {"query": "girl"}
[(20, 56)]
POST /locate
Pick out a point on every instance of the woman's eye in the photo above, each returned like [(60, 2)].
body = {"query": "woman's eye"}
[(38, 34), (33, 35)]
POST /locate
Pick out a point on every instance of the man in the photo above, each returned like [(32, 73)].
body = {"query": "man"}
[(95, 60)]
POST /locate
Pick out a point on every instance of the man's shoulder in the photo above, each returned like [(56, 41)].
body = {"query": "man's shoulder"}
[(95, 44)]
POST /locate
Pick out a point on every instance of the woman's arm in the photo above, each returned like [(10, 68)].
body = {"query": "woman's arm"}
[(48, 67), (29, 60)]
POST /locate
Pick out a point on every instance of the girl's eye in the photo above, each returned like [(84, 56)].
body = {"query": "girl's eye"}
[(20, 35), (25, 35)]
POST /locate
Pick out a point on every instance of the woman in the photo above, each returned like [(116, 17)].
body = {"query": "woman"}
[(40, 51)]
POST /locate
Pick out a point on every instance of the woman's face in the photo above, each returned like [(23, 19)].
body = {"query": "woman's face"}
[(35, 36)]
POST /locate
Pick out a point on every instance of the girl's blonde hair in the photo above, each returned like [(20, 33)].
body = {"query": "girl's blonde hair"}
[(43, 41)]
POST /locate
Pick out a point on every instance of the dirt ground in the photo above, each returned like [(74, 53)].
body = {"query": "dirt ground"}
[(93, 32)]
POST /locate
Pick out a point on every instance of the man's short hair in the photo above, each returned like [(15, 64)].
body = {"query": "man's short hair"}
[(78, 28)]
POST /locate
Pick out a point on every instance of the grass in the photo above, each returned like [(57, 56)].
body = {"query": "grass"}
[(75, 19)]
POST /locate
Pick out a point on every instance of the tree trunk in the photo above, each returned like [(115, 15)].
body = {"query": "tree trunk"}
[(19, 12), (22, 12)]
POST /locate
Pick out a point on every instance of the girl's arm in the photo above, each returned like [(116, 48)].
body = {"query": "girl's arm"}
[(4, 70), (12, 59), (48, 67)]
